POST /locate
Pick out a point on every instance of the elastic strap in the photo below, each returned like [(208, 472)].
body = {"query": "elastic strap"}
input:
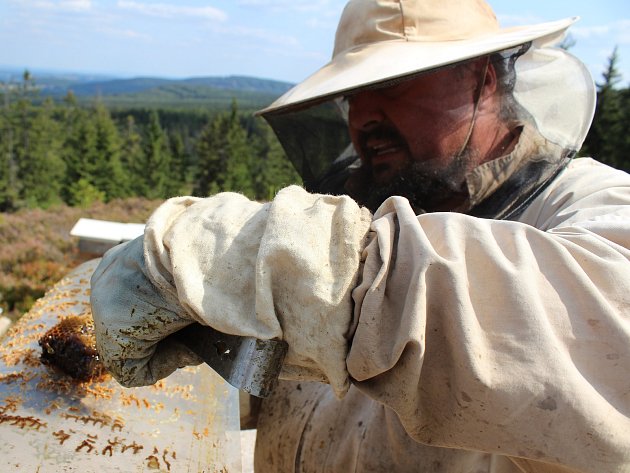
[(474, 115)]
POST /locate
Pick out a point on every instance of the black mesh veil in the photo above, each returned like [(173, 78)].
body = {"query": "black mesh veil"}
[(317, 142)]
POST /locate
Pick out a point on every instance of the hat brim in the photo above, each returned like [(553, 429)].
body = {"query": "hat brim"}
[(374, 63)]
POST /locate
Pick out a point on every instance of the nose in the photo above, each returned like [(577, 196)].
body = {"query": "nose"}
[(364, 111)]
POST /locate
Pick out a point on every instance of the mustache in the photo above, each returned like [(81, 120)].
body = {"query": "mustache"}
[(378, 134)]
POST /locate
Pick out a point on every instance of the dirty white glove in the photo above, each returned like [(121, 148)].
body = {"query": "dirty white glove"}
[(283, 270), (132, 319)]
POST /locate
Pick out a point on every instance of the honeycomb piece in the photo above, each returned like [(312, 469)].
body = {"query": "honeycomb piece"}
[(71, 347)]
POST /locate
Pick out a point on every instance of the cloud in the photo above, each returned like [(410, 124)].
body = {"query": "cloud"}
[(166, 10), (623, 33), (270, 37), (586, 32), (76, 4), (65, 5), (322, 24), (318, 14), (294, 5), (124, 33), (618, 31), (519, 20)]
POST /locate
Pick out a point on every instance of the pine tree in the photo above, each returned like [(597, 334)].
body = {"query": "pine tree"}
[(85, 194), (212, 152), (40, 165), (239, 172), (32, 165), (107, 174), (80, 153), (178, 175), (132, 156), (604, 138), (9, 190), (624, 140), (156, 161)]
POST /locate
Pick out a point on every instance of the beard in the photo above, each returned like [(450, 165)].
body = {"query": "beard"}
[(427, 189)]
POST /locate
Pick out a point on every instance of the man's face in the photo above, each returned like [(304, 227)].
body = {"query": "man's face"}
[(411, 135)]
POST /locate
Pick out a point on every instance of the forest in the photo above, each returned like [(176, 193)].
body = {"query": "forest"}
[(78, 158), (54, 152), (63, 151), (65, 159)]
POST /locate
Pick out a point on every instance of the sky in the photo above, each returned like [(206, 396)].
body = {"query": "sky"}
[(285, 40)]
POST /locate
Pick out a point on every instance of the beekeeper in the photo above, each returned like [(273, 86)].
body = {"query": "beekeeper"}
[(467, 309)]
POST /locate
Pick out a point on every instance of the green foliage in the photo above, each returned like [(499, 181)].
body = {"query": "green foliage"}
[(39, 162), (79, 154), (108, 176), (238, 175), (212, 161), (241, 155), (83, 194), (608, 139), (131, 155), (151, 178)]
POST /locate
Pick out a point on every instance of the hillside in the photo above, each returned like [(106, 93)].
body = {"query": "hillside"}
[(147, 84), (183, 95), (249, 92)]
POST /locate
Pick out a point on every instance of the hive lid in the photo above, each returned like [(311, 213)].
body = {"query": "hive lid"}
[(51, 423)]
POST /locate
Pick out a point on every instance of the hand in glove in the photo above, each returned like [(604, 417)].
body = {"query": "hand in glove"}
[(283, 270), (133, 319)]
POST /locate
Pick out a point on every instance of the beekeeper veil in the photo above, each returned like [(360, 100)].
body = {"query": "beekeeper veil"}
[(382, 42)]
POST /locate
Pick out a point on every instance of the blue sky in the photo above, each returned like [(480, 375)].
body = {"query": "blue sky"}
[(275, 39)]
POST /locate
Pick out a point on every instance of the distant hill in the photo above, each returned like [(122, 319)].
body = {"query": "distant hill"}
[(250, 92), (147, 84), (187, 96), (50, 78)]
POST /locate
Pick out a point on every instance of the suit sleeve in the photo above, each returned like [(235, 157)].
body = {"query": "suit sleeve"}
[(502, 337)]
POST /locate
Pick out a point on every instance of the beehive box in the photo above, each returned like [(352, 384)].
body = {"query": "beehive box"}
[(49, 422)]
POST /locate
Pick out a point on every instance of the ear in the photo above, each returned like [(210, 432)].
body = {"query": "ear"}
[(490, 84), (488, 100)]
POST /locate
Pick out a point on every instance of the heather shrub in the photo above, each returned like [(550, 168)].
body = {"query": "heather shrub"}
[(36, 249)]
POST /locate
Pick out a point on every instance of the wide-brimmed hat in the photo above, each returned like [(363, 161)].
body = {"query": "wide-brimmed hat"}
[(382, 40)]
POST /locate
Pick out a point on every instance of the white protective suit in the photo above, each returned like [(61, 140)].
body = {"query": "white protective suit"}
[(488, 339), (511, 338), (493, 340)]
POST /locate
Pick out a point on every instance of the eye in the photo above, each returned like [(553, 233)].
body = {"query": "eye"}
[(397, 90)]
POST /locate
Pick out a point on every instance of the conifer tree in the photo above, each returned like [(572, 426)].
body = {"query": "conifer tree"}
[(212, 157), (157, 161), (107, 174), (9, 189), (239, 172), (31, 164), (40, 165), (85, 194), (177, 183), (604, 141), (80, 153), (132, 156)]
